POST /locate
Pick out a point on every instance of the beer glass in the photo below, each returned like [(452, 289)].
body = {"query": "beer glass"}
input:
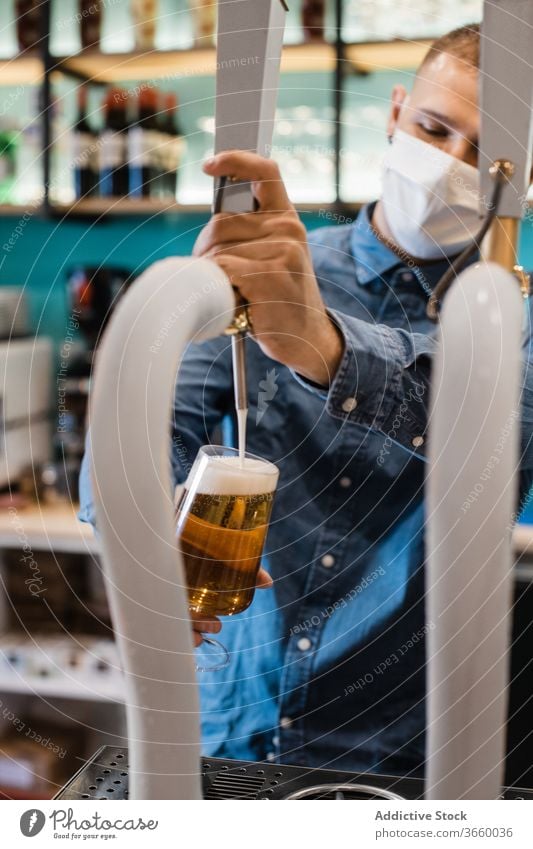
[(222, 521)]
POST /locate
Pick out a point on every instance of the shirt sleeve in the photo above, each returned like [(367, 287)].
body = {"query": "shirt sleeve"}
[(86, 513), (526, 407), (383, 384), (382, 381), (202, 398)]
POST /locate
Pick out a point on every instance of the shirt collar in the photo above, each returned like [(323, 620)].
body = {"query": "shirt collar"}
[(371, 256), (374, 260)]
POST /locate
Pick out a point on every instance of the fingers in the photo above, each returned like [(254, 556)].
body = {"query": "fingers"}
[(262, 173), (242, 274), (228, 228), (258, 282), (209, 624), (264, 580), (198, 631), (235, 228), (204, 625), (257, 252)]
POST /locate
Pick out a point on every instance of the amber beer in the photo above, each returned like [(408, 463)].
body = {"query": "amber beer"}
[(222, 522)]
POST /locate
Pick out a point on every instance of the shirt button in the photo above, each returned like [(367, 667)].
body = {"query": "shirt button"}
[(271, 756), (407, 276), (285, 722), (417, 441), (349, 404), (328, 560), (345, 482), (275, 741), (304, 643)]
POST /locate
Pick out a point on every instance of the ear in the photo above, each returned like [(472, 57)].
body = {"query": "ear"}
[(399, 93)]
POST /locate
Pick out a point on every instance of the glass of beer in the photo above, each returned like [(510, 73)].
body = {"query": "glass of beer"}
[(222, 521)]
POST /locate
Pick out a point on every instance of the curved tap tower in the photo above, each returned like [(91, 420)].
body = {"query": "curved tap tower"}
[(174, 302), (471, 495)]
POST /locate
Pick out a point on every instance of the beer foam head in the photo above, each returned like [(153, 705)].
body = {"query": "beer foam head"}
[(231, 476)]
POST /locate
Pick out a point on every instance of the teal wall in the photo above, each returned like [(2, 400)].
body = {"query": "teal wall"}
[(44, 251)]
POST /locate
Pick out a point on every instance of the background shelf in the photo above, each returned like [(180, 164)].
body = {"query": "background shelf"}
[(65, 688), (21, 70), (175, 65), (394, 55), (179, 64)]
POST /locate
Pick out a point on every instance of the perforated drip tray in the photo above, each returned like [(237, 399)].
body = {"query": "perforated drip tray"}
[(105, 776)]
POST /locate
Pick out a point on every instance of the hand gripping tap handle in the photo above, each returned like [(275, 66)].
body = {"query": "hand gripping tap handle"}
[(249, 44), (240, 325)]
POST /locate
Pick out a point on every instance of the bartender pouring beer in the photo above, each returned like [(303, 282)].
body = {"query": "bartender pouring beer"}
[(327, 663)]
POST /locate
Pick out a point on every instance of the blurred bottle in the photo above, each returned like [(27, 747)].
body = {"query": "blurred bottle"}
[(204, 14), (112, 153), (144, 14), (8, 158), (61, 186), (29, 182), (144, 139), (171, 148), (28, 17), (313, 15), (90, 12), (84, 150)]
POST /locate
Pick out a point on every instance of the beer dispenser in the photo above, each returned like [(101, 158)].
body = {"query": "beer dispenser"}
[(475, 396), (475, 419)]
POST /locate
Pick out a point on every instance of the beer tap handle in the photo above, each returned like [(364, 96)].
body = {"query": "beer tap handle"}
[(249, 45), (246, 94)]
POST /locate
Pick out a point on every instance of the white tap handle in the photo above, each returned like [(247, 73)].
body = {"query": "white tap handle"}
[(471, 494), (505, 102), (174, 301), (249, 46)]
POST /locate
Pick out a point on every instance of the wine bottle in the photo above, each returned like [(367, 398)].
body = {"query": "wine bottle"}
[(90, 22), (113, 166), (28, 23), (172, 147), (313, 12), (85, 147), (144, 14), (143, 144), (204, 13)]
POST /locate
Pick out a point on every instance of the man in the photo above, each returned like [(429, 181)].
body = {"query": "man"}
[(327, 665)]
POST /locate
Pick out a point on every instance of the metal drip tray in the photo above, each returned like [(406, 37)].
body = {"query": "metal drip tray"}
[(344, 792), (105, 776)]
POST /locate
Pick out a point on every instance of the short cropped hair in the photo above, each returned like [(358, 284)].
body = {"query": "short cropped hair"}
[(462, 43)]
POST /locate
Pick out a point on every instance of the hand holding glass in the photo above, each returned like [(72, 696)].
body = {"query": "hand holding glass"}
[(222, 521)]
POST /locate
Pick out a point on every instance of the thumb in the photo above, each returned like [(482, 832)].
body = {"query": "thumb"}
[(263, 174), (264, 581)]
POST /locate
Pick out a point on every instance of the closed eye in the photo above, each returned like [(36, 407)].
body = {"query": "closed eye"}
[(435, 132)]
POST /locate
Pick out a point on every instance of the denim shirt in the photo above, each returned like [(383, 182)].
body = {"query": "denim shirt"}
[(328, 666)]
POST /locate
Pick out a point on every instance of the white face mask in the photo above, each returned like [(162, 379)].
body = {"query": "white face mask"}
[(430, 199)]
